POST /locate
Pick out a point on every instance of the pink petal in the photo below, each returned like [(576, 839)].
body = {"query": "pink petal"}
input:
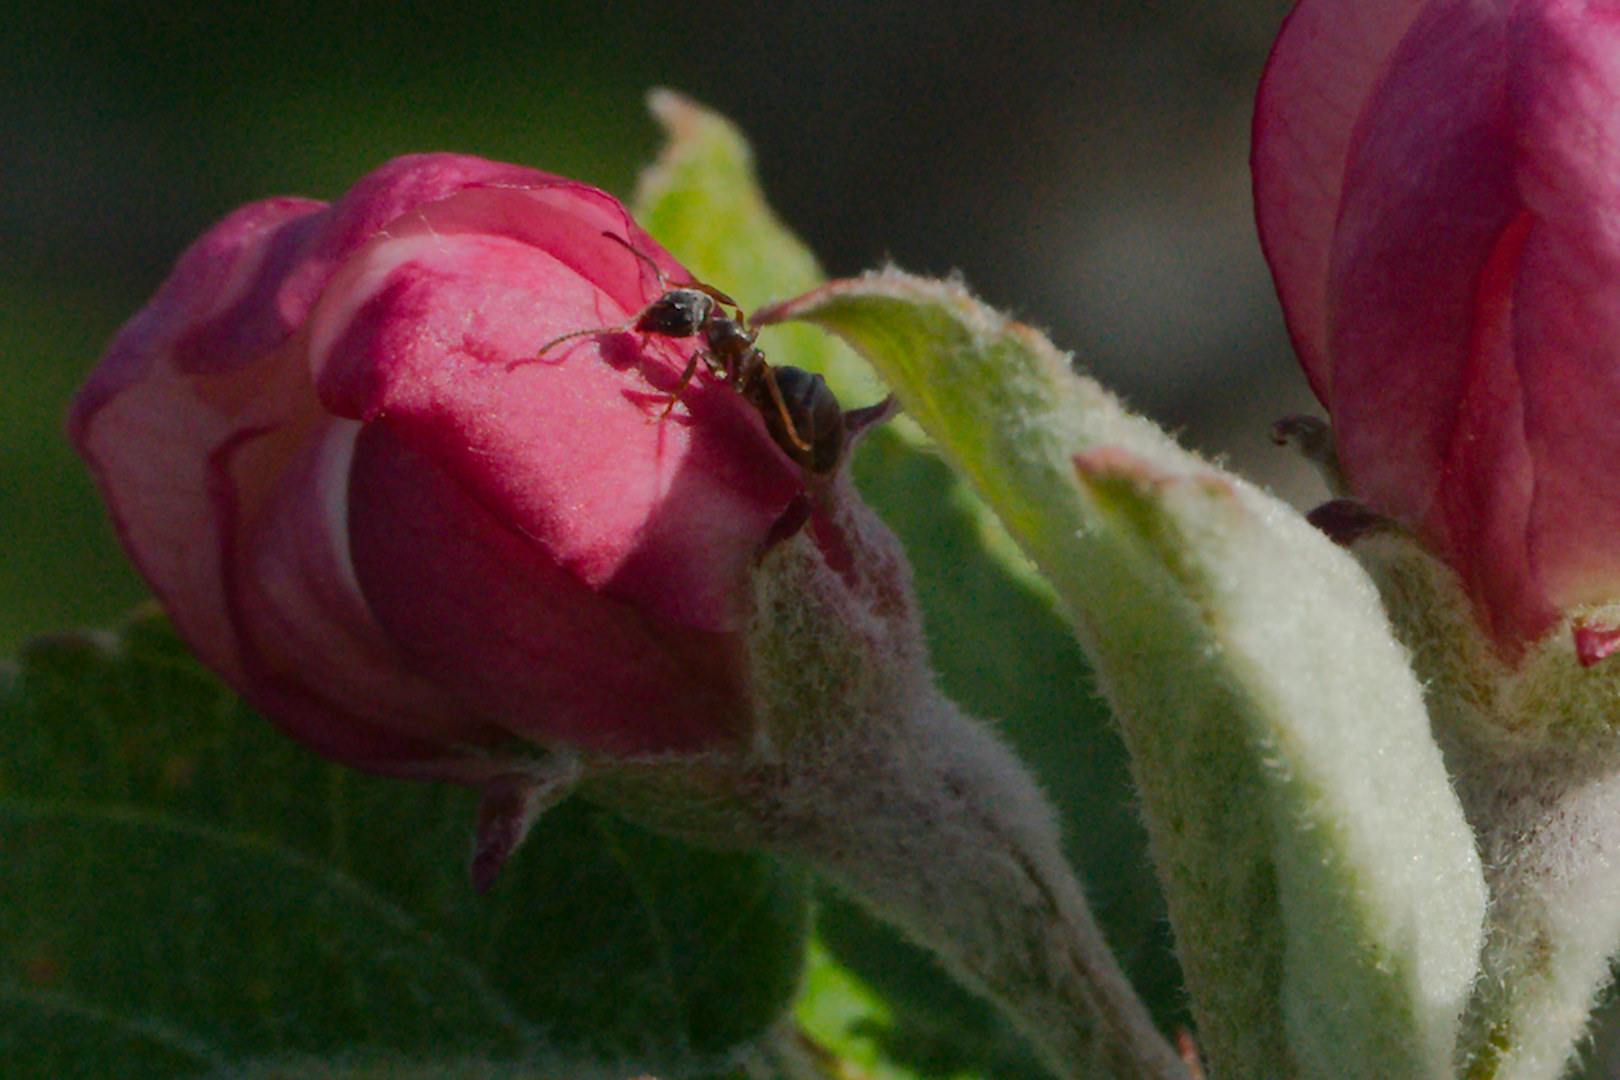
[(1482, 513), (153, 428), (436, 336), (315, 659), (1326, 63), (480, 608), (1567, 96), (1427, 197), (381, 197)]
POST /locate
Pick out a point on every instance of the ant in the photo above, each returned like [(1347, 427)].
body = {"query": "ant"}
[(801, 414)]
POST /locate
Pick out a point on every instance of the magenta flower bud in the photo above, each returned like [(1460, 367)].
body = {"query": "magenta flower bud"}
[(333, 449), (435, 478), (1438, 191)]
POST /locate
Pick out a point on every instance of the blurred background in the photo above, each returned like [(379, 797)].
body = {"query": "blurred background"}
[(1083, 165)]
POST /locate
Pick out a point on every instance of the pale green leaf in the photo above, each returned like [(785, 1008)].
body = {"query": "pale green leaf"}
[(1323, 884)]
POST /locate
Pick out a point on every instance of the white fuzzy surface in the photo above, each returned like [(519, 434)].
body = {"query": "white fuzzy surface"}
[(1323, 884), (1536, 754)]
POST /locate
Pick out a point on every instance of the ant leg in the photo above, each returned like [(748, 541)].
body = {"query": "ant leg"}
[(788, 426), (513, 365), (686, 380), (715, 294)]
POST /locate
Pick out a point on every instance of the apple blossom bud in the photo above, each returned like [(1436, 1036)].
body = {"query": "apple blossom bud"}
[(405, 470), (1438, 190), (1437, 183), (331, 447)]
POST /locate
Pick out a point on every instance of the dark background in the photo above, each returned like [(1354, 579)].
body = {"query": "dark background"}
[(1082, 164)]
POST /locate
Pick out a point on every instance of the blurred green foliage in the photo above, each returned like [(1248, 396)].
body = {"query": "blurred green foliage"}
[(186, 890)]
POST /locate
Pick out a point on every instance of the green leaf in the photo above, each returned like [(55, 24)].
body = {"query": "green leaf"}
[(999, 647), (1323, 884), (185, 890)]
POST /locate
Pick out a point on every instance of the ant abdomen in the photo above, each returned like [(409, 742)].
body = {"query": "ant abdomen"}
[(816, 438)]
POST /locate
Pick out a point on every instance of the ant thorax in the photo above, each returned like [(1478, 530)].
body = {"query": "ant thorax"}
[(730, 341)]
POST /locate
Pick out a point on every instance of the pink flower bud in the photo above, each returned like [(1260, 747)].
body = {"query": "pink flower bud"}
[(1438, 190), (332, 449)]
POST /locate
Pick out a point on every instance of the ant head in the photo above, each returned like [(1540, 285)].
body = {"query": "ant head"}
[(678, 313)]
